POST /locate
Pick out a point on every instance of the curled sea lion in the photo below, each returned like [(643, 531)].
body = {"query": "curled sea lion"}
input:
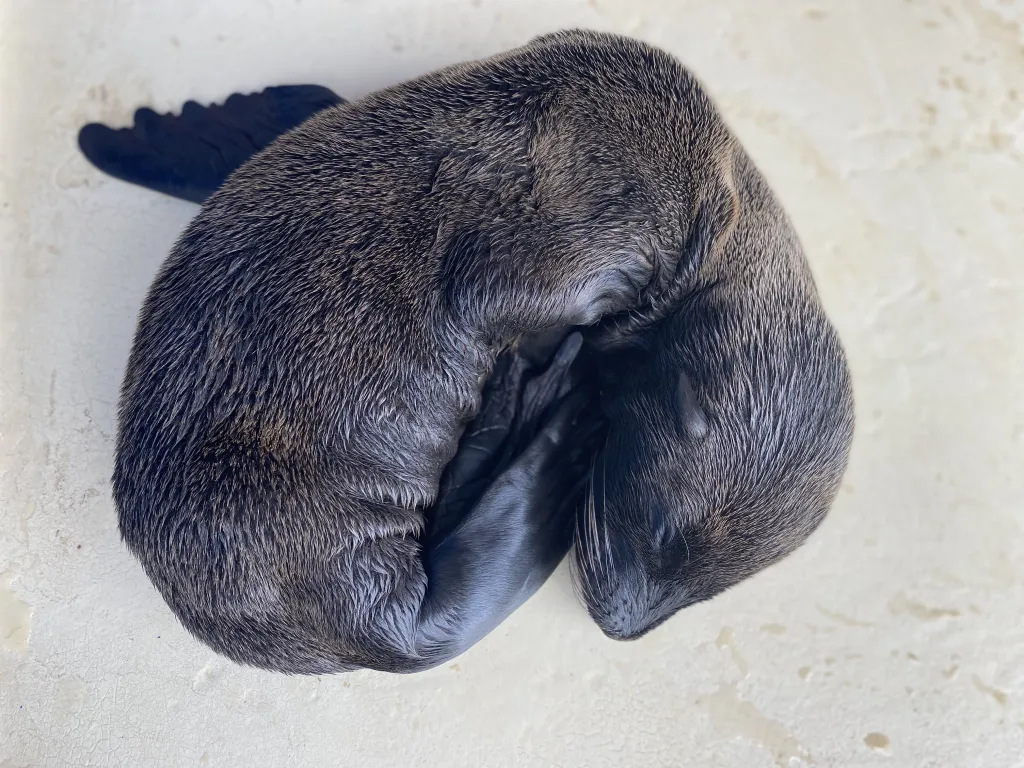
[(579, 177)]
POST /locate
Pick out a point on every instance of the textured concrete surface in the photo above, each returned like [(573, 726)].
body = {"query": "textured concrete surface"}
[(894, 133)]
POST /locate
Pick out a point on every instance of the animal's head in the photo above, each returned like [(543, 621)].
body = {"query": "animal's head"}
[(730, 427)]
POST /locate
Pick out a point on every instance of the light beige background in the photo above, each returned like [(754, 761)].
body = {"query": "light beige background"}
[(893, 132)]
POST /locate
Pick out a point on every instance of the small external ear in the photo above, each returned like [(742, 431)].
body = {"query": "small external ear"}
[(713, 222), (691, 416)]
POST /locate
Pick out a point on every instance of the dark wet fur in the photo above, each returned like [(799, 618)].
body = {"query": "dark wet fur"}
[(312, 349)]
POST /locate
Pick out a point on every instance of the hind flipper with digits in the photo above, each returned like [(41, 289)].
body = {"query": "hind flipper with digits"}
[(190, 155)]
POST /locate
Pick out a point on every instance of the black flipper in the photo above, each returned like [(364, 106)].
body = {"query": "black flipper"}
[(518, 399), (510, 542), (189, 156)]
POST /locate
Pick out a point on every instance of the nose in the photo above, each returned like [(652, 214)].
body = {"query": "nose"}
[(630, 614), (623, 634), (626, 621)]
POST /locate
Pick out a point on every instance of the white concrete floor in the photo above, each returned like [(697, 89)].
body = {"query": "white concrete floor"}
[(894, 133)]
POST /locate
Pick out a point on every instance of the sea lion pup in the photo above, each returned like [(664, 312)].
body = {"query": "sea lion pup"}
[(652, 562), (311, 350)]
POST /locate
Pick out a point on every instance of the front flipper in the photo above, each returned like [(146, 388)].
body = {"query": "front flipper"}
[(189, 156), (525, 383), (503, 551)]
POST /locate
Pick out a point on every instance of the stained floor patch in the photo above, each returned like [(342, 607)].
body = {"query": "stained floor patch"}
[(735, 716), (878, 742), (15, 617)]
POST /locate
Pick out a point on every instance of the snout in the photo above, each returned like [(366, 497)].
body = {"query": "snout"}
[(623, 601), (621, 630), (617, 565)]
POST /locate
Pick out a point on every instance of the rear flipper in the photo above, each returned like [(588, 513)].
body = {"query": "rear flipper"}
[(191, 155)]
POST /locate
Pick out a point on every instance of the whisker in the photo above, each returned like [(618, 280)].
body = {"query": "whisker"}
[(592, 522), (604, 507)]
